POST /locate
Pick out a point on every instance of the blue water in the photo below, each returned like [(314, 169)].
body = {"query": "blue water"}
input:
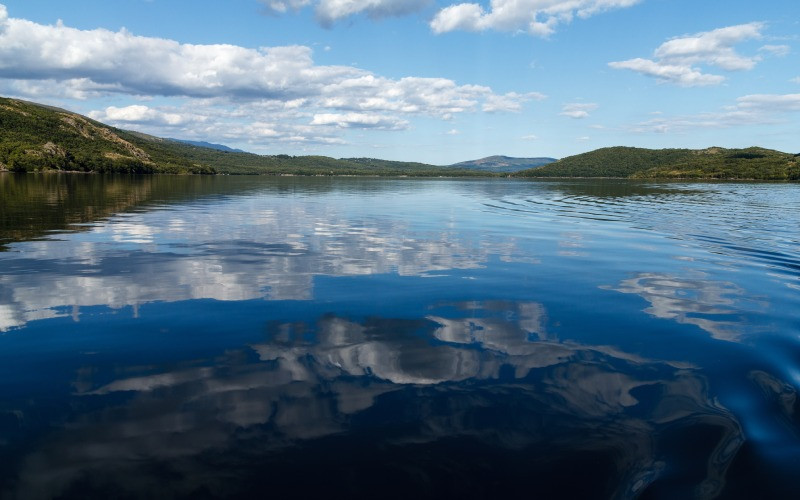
[(396, 338)]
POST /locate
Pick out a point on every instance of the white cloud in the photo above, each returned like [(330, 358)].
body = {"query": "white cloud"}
[(215, 91), (330, 11), (283, 6), (144, 65), (748, 110), (795, 79), (676, 61), (578, 109), (537, 17), (770, 102), (464, 16), (138, 114), (359, 120), (776, 50), (413, 95), (511, 102), (71, 88), (683, 75), (529, 137)]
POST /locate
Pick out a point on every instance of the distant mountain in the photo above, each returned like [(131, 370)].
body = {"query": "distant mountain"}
[(711, 163), (209, 145), (499, 163)]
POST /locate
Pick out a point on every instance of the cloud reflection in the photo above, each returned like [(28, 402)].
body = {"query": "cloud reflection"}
[(250, 248), (488, 373), (708, 304)]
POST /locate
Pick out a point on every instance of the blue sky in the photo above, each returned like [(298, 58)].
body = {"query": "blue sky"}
[(437, 81)]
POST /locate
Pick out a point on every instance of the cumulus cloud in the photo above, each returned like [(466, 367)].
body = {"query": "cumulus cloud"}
[(330, 11), (537, 17), (145, 65), (71, 88), (219, 89), (438, 97), (578, 109), (359, 120), (432, 96), (748, 110), (138, 114), (676, 61)]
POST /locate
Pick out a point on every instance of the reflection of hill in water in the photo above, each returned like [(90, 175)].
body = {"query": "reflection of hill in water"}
[(392, 405), (34, 206)]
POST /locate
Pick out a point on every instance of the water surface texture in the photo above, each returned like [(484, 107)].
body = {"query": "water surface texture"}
[(397, 338)]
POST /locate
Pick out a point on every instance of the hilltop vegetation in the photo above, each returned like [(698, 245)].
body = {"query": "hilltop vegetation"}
[(639, 163), (36, 138), (718, 163)]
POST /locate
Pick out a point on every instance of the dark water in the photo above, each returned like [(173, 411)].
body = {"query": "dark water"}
[(253, 337)]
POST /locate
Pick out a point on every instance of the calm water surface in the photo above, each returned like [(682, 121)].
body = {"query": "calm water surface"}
[(395, 338)]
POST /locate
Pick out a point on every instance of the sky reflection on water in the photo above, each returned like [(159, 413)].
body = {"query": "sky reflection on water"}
[(225, 336)]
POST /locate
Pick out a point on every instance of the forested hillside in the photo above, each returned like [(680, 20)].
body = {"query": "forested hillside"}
[(718, 163), (711, 163), (38, 138)]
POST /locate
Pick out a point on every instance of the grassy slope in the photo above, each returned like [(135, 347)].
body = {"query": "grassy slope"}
[(39, 138), (711, 163)]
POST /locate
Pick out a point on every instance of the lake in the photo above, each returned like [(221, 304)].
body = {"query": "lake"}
[(182, 336)]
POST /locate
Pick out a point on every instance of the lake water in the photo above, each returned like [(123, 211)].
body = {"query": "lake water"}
[(398, 338)]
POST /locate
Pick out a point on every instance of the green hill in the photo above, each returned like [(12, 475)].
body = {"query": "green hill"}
[(718, 163), (35, 138), (39, 138), (640, 163)]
